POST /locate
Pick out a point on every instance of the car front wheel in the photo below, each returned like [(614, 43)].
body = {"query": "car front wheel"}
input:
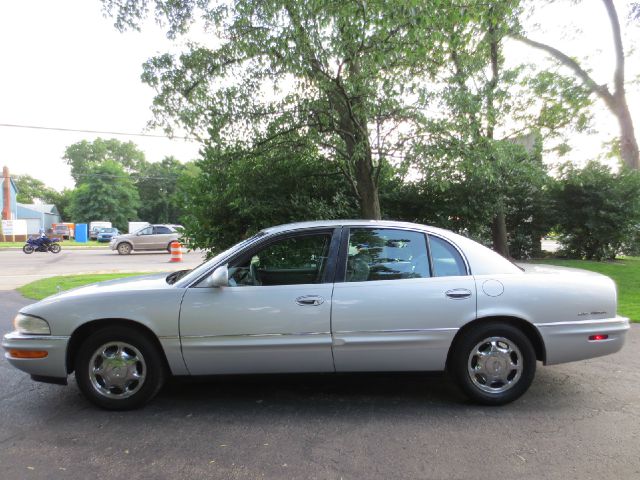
[(118, 368), (124, 249), (493, 363)]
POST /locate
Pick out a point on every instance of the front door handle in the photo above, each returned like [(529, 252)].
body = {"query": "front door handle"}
[(458, 293), (310, 300)]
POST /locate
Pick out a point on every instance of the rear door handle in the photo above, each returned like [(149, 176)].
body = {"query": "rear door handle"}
[(458, 293), (310, 300)]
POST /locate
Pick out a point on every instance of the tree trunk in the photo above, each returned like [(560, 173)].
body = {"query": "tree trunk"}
[(367, 193), (499, 234), (628, 143)]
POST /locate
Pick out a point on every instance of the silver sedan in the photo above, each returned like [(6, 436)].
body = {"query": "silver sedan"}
[(325, 296)]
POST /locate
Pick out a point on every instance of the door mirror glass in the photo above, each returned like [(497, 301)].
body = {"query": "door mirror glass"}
[(220, 277)]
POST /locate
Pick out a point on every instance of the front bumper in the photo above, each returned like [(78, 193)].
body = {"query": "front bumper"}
[(54, 365), (569, 341)]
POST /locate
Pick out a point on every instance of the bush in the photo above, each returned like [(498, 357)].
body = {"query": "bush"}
[(597, 211)]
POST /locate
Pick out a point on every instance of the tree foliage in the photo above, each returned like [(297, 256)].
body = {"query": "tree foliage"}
[(239, 192), (158, 188), (31, 189), (106, 193), (85, 155), (598, 212)]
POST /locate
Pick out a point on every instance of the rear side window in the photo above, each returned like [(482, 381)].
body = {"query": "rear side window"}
[(161, 230), (446, 260), (386, 254)]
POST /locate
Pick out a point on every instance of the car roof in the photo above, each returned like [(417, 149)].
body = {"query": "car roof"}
[(356, 223)]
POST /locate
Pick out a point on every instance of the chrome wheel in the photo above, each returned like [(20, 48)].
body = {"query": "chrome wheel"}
[(117, 370), (124, 249), (495, 365)]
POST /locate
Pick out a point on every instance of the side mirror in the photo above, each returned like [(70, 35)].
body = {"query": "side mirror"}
[(220, 277)]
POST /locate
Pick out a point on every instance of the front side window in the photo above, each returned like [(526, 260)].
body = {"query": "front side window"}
[(447, 262), (290, 261), (146, 231), (386, 254)]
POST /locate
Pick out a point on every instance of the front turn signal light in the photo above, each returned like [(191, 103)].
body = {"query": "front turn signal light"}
[(28, 353)]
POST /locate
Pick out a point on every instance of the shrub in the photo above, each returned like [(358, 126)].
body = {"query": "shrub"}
[(597, 210)]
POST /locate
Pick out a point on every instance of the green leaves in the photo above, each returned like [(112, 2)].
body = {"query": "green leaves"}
[(105, 193)]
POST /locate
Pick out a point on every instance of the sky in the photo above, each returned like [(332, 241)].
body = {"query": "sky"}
[(64, 65)]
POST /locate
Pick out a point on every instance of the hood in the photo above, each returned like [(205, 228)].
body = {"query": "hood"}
[(129, 284)]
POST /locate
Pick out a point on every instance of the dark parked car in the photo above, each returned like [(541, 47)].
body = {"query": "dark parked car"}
[(106, 234)]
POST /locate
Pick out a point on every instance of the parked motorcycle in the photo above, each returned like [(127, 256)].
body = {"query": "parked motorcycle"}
[(42, 244)]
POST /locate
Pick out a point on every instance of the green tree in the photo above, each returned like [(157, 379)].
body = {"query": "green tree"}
[(615, 99), (83, 156), (342, 73), (158, 185), (486, 141), (30, 189), (238, 192), (106, 193), (598, 211)]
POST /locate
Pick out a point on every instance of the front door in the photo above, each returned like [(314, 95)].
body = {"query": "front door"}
[(273, 317), (396, 307)]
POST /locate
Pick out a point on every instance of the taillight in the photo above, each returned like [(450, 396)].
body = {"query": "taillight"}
[(600, 336)]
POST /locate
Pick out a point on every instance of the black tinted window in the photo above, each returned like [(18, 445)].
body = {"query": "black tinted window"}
[(291, 261), (161, 230), (447, 262), (386, 254)]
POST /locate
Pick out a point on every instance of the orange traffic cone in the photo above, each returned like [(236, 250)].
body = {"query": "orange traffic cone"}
[(176, 252)]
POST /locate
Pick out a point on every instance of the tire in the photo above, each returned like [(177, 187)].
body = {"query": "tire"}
[(493, 363), (124, 248), (55, 248), (103, 379), (28, 249)]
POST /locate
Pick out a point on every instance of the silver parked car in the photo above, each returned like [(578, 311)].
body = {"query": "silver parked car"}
[(325, 296), (151, 237)]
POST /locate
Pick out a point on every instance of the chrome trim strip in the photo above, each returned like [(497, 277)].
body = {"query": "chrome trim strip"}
[(169, 337), (584, 322), (256, 335), (13, 336), (400, 330)]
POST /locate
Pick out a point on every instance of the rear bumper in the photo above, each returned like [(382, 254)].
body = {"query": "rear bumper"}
[(52, 366), (569, 341)]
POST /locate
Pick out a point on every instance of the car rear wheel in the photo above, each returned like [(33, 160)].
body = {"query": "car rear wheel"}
[(117, 368), (493, 363), (124, 249)]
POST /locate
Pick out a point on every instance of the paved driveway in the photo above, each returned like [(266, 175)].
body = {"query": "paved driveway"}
[(578, 421), (16, 268)]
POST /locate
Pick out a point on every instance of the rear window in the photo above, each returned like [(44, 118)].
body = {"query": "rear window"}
[(446, 260)]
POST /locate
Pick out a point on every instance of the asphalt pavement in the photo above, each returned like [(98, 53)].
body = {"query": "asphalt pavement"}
[(578, 421), (17, 268)]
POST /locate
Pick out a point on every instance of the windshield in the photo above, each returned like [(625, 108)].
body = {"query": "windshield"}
[(107, 230), (203, 267)]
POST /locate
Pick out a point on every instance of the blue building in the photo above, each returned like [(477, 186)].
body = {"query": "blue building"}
[(39, 217)]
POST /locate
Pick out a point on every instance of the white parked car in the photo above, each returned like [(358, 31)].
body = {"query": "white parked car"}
[(325, 296)]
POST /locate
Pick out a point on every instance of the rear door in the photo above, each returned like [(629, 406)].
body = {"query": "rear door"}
[(395, 306), (162, 236)]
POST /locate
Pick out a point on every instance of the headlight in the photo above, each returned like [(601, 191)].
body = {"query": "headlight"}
[(31, 325)]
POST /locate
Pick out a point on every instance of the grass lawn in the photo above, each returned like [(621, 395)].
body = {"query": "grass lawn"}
[(48, 286), (64, 243), (625, 272)]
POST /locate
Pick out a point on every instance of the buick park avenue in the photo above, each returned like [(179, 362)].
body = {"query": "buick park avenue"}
[(324, 296)]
